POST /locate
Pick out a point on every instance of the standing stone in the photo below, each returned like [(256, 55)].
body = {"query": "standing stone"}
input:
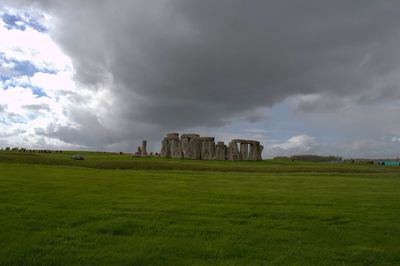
[(260, 149), (221, 151), (165, 149), (255, 153), (176, 147), (186, 149), (144, 148), (244, 150), (195, 143), (192, 146), (233, 151), (173, 136), (167, 146), (188, 142), (77, 157), (207, 148)]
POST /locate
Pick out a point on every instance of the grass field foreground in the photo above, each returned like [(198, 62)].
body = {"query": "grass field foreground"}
[(55, 211)]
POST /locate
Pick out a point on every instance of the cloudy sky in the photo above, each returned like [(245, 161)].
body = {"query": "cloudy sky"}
[(303, 77)]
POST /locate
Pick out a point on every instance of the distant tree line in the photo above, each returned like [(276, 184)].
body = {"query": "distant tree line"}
[(311, 158), (30, 150)]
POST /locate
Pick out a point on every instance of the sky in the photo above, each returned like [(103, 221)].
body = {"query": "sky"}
[(303, 77)]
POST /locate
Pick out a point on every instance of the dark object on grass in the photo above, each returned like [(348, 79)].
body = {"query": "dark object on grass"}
[(77, 157)]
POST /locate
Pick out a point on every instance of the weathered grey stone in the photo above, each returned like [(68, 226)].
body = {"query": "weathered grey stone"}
[(260, 149), (165, 149), (221, 151), (188, 142), (77, 157), (207, 138), (186, 148), (233, 151), (173, 135), (144, 148), (190, 136), (244, 151), (171, 147), (195, 143), (207, 148), (255, 152), (176, 148), (246, 141), (192, 146)]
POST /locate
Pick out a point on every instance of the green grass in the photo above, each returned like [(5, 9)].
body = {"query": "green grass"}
[(102, 160), (56, 211)]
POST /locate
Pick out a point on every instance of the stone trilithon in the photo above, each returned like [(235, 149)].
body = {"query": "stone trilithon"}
[(192, 146)]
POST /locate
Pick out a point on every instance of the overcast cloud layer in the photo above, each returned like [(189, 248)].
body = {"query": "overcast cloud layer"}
[(330, 69)]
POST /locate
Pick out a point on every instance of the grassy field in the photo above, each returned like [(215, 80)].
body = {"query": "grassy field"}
[(113, 209)]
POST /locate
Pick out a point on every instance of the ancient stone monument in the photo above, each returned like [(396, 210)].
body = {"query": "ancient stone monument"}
[(144, 148), (221, 151), (142, 151), (192, 146)]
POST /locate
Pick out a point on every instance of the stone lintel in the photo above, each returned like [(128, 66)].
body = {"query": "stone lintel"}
[(246, 141), (171, 138), (190, 136), (206, 138), (173, 135)]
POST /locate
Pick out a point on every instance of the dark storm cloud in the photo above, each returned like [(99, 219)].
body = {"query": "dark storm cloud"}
[(324, 103), (179, 64), (90, 135)]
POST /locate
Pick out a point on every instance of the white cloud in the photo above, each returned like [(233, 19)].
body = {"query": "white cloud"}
[(299, 143), (23, 113), (54, 84), (33, 46), (25, 117)]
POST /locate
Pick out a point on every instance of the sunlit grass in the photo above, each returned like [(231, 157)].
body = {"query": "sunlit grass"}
[(242, 213)]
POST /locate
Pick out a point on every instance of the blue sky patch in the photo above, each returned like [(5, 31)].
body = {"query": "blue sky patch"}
[(24, 68), (13, 22), (38, 92), (21, 23), (34, 24), (20, 68), (4, 77)]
